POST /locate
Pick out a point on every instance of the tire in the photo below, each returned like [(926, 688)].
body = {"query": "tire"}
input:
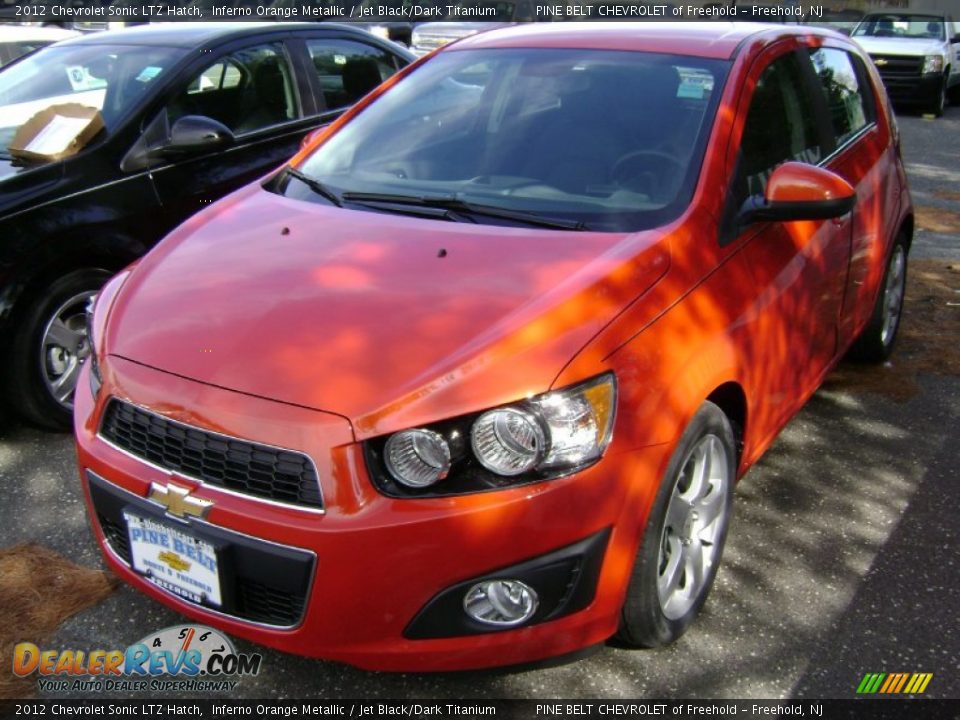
[(49, 343), (938, 101), (875, 343), (663, 599)]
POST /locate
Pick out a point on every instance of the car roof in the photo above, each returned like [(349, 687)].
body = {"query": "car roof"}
[(192, 34), (718, 40)]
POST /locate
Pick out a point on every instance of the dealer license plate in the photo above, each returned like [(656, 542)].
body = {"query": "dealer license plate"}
[(174, 560)]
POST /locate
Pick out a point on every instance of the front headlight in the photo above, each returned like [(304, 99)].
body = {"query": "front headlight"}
[(540, 438), (932, 64)]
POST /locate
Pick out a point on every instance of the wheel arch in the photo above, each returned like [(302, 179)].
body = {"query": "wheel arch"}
[(88, 248), (906, 229), (731, 398)]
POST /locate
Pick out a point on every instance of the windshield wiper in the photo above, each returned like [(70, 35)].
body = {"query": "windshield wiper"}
[(318, 187), (449, 202)]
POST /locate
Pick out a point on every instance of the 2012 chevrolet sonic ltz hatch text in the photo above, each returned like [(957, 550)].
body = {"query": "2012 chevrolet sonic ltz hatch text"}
[(469, 382)]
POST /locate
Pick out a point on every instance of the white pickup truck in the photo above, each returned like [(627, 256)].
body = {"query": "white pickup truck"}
[(917, 54)]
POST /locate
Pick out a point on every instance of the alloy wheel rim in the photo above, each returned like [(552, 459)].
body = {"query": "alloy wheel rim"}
[(64, 347), (893, 296), (696, 521)]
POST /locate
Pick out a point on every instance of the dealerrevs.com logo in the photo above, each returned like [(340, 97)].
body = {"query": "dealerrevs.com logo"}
[(190, 658)]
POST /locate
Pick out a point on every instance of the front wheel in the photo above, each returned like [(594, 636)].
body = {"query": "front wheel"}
[(877, 339), (938, 100), (49, 344), (683, 541)]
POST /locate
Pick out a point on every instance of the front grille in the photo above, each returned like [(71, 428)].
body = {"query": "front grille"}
[(897, 67), (116, 535), (262, 603), (245, 467)]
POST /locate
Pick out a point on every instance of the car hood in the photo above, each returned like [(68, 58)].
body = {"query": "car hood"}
[(388, 320), (901, 46)]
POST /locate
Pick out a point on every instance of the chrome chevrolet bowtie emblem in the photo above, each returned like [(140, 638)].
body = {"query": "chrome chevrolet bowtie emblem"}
[(178, 501), (880, 62)]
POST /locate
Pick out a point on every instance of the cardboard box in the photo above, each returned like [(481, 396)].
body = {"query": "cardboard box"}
[(56, 132)]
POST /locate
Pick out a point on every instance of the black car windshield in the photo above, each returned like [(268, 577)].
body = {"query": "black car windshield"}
[(602, 140), (110, 78), (902, 25)]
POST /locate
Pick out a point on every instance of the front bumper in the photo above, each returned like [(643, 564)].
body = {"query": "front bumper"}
[(912, 90), (359, 572)]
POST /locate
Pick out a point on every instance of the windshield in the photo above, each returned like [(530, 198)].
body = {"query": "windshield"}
[(111, 79), (902, 25), (609, 140)]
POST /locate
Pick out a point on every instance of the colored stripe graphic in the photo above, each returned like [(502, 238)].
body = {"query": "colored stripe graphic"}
[(870, 683), (894, 683)]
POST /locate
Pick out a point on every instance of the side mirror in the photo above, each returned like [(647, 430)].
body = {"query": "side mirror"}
[(194, 134), (797, 191)]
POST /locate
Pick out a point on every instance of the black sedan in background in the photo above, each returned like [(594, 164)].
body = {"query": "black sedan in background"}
[(191, 112)]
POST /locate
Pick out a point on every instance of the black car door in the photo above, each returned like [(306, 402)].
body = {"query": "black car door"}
[(254, 90)]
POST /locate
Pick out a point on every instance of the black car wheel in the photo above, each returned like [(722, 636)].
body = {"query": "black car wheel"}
[(683, 541), (876, 341), (49, 344), (938, 101)]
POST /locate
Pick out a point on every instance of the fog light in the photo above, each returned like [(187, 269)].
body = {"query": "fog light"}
[(417, 458), (501, 602)]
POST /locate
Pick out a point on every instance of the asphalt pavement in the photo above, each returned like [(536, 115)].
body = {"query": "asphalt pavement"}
[(843, 554)]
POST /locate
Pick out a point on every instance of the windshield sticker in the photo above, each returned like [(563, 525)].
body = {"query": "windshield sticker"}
[(695, 84), (149, 73), (81, 79), (690, 90)]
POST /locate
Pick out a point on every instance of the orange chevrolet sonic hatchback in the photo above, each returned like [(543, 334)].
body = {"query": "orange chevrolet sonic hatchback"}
[(470, 381)]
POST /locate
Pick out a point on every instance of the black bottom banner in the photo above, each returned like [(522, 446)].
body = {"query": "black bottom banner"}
[(533, 709)]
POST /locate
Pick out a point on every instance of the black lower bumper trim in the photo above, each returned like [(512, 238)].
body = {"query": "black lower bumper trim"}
[(565, 581)]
